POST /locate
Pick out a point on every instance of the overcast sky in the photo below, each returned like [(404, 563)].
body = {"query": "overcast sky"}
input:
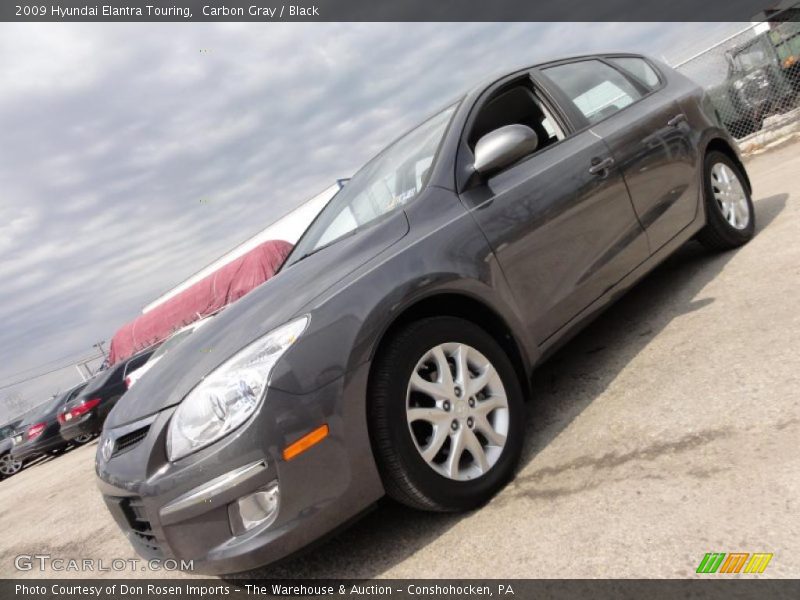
[(132, 155)]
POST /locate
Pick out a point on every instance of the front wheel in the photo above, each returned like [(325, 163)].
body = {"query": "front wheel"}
[(730, 218), (447, 415)]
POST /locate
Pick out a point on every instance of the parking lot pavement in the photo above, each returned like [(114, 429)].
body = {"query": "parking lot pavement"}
[(666, 430)]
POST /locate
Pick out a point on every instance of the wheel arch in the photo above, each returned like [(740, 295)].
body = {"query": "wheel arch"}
[(719, 144), (469, 308)]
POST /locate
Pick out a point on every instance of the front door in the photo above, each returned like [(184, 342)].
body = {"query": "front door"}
[(560, 222)]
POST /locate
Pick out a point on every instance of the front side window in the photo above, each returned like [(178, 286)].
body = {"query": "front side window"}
[(597, 89), (388, 181), (517, 103)]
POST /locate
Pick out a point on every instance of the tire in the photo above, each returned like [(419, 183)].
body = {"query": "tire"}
[(83, 439), (730, 218), (481, 413), (9, 466)]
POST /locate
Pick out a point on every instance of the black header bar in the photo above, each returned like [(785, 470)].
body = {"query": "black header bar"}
[(385, 10)]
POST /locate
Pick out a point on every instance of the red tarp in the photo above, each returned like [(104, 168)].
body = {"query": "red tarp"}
[(229, 283)]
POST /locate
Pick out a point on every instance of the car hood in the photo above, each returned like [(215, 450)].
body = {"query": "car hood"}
[(268, 306)]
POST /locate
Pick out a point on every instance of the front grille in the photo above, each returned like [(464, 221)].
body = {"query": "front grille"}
[(129, 440), (140, 532)]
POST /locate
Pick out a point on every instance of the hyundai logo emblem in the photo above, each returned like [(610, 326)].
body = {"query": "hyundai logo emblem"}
[(106, 448)]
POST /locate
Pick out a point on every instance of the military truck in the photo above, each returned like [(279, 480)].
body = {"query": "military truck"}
[(763, 78)]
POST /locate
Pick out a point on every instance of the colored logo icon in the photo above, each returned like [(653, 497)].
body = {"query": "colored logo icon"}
[(734, 562)]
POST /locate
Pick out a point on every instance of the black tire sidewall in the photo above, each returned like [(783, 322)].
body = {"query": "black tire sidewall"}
[(714, 217), (444, 492)]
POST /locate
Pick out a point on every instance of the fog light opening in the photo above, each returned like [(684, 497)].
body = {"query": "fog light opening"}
[(257, 509)]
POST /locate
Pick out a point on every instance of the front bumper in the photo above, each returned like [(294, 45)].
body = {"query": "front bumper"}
[(88, 424), (320, 489)]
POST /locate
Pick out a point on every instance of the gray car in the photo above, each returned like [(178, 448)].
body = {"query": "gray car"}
[(8, 464), (393, 351)]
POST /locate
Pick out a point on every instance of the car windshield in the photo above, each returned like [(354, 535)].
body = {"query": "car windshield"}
[(388, 181), (752, 57)]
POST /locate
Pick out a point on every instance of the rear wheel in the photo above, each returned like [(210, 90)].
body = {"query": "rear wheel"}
[(9, 466), (730, 218), (82, 439), (447, 415)]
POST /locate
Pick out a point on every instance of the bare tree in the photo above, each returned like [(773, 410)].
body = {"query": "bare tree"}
[(11, 405)]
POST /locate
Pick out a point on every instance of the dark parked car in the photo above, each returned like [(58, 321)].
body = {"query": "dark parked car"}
[(38, 433), (393, 351), (8, 465), (83, 416)]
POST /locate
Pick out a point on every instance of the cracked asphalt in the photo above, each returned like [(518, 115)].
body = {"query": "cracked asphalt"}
[(668, 429)]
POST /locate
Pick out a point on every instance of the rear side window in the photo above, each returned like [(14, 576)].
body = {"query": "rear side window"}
[(135, 363), (74, 393), (639, 68), (597, 89)]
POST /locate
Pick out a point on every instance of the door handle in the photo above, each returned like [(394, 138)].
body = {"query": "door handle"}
[(601, 166), (676, 120)]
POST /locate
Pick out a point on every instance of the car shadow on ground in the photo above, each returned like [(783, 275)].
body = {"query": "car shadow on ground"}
[(563, 387), (50, 456)]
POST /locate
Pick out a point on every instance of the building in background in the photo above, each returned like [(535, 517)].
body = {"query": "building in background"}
[(288, 228), (219, 283)]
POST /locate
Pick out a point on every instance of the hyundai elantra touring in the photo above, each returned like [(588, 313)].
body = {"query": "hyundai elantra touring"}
[(392, 353)]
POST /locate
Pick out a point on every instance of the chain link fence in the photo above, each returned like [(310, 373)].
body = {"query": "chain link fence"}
[(753, 77)]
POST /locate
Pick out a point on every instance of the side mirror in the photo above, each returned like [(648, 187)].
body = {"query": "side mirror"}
[(503, 147)]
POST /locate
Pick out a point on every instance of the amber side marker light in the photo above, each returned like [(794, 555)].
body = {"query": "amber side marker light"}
[(305, 442)]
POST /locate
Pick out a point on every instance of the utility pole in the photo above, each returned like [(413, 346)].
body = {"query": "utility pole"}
[(99, 346), (80, 372), (85, 370)]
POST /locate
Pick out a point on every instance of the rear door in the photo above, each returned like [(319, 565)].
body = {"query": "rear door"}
[(560, 222), (624, 101)]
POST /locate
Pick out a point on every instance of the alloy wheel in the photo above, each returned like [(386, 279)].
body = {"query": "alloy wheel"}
[(9, 466), (82, 439), (730, 196), (457, 411)]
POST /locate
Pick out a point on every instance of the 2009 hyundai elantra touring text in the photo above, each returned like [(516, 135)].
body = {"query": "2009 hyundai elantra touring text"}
[(393, 351)]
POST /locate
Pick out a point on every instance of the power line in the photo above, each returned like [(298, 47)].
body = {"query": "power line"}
[(69, 357), (38, 375)]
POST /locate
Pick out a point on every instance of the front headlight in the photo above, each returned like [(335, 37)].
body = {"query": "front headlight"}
[(230, 393)]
